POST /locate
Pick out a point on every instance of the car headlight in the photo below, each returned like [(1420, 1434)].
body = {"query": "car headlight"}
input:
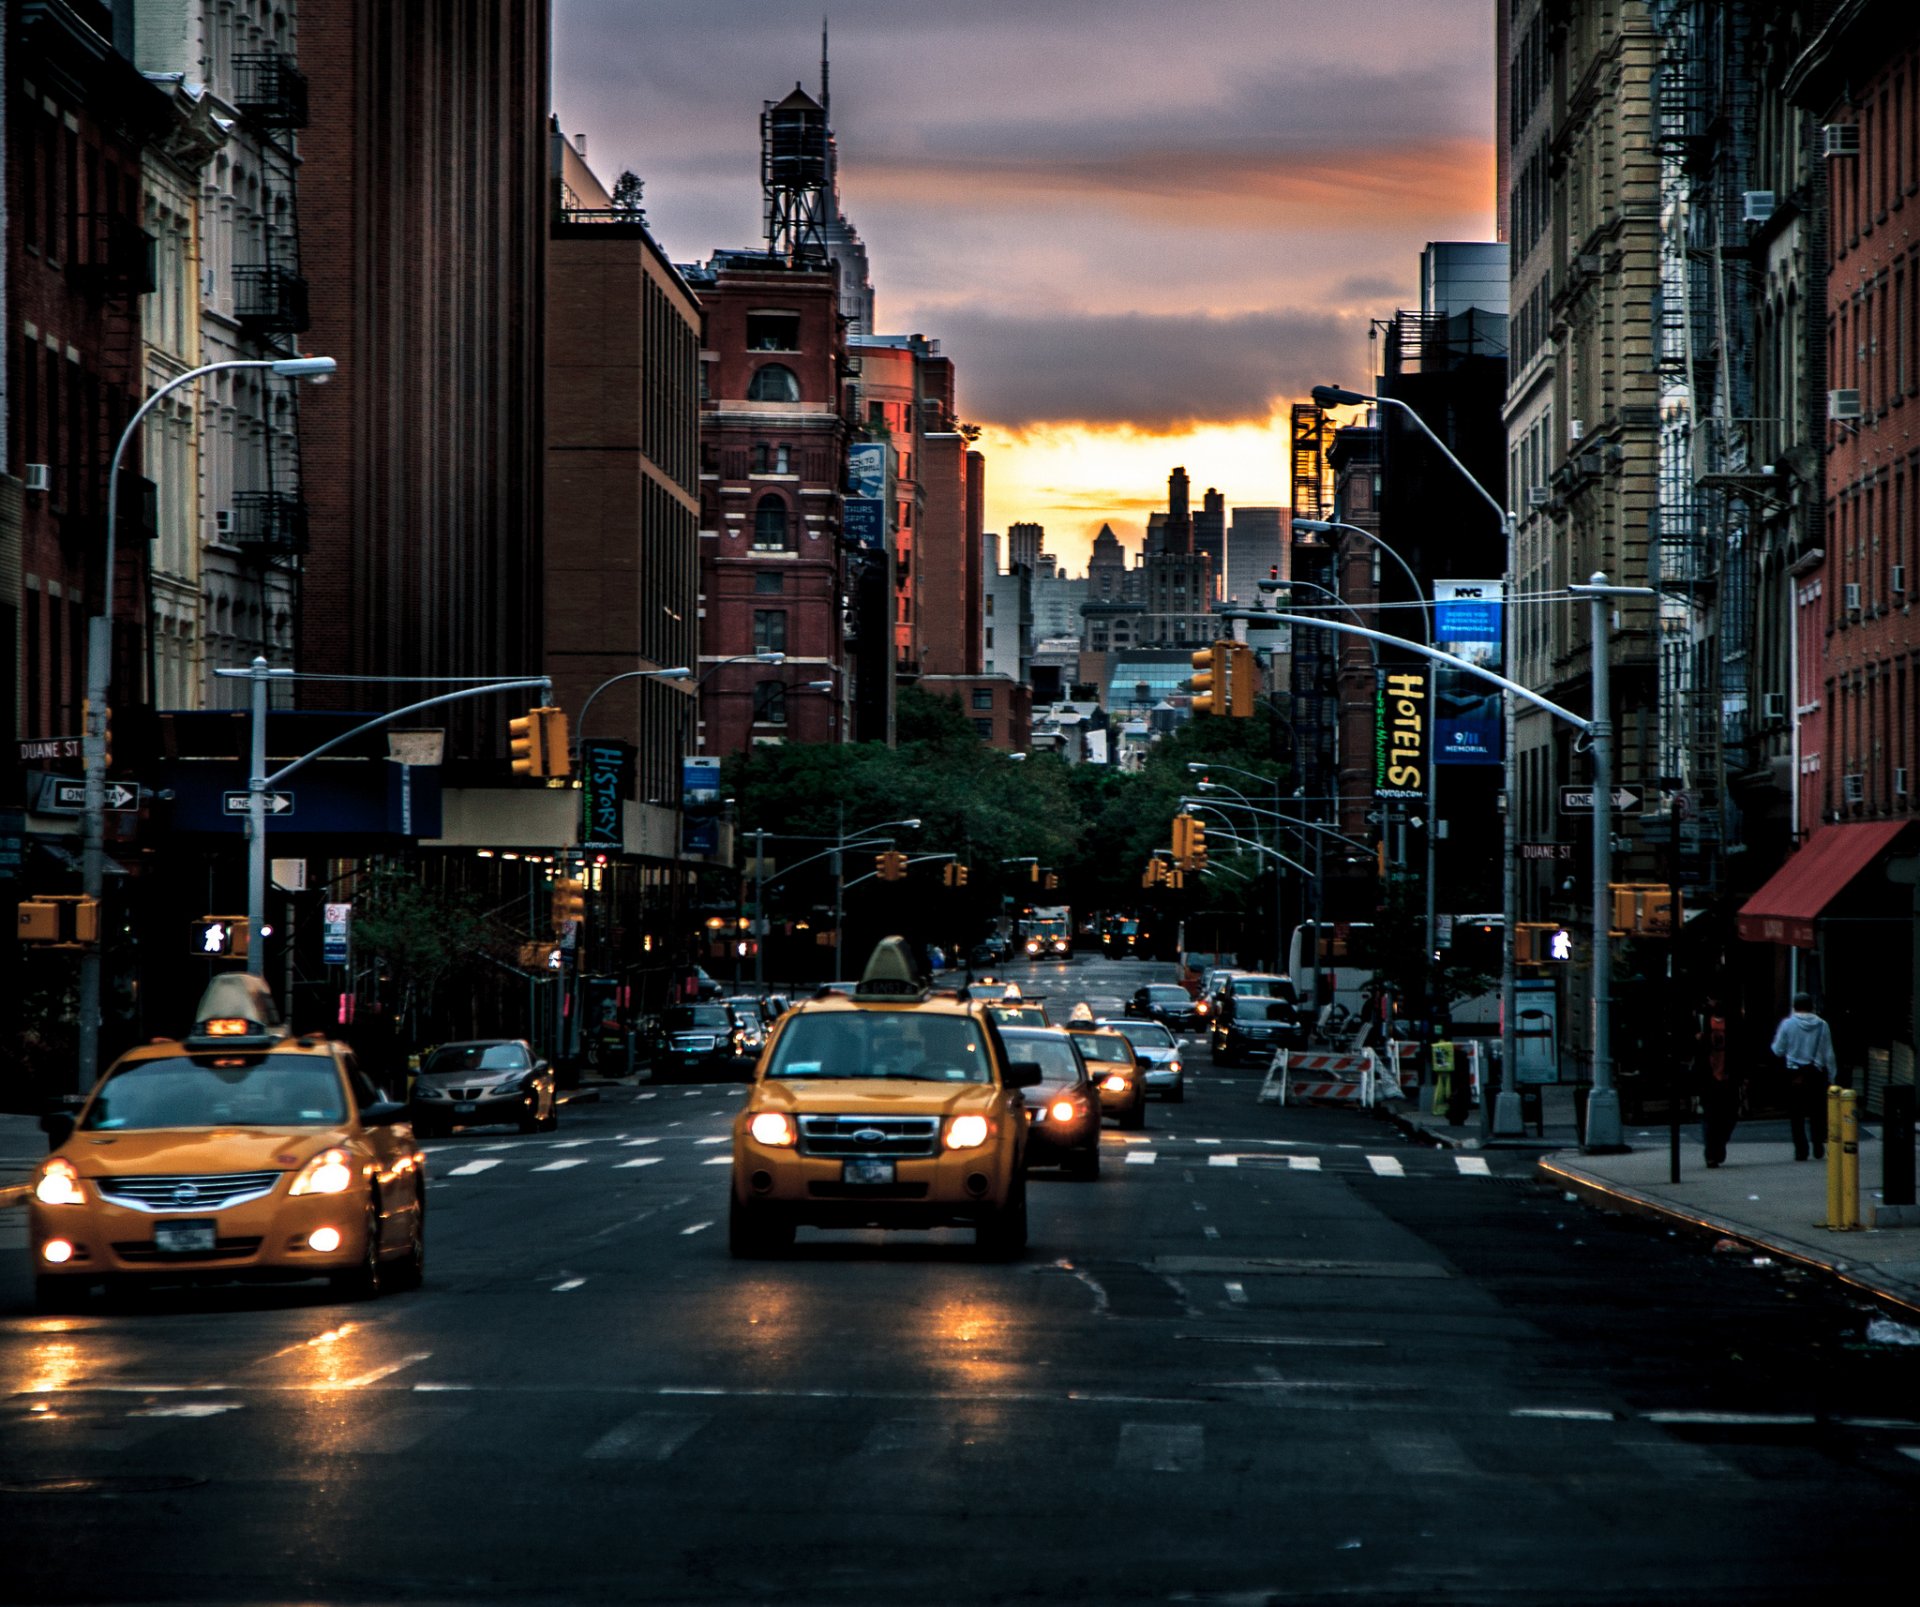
[(1199, 1007), (774, 1129), (329, 1172), (1115, 1084), (59, 1184), (1064, 1110), (1032, 947), (967, 1132)]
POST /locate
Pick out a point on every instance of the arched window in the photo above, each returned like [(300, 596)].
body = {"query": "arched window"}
[(770, 523), (774, 383)]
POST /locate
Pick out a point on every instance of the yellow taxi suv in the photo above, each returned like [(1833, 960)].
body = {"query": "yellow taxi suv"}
[(1118, 1076), (892, 1108), (242, 1152)]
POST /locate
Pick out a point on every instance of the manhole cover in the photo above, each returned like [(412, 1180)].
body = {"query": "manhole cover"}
[(125, 1484)]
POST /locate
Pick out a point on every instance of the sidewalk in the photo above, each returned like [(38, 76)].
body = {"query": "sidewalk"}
[(1761, 1196)]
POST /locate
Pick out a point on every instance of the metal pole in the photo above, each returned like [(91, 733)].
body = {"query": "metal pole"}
[(759, 909), (839, 881), (1603, 1104), (257, 826), (1505, 1118)]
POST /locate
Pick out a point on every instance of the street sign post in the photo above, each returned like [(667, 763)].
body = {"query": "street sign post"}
[(235, 803), (336, 933), (1579, 800), (60, 796)]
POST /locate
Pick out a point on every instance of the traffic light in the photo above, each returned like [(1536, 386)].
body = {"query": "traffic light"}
[(1148, 878), (1541, 943), (1196, 845), (526, 738), (1208, 692), (569, 902), (890, 866), (1243, 675), (69, 920), (1033, 871), (960, 876), (1642, 909), (221, 937), (1053, 881), (949, 874), (555, 748), (1182, 836)]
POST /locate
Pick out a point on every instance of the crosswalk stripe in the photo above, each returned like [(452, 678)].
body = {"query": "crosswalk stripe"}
[(636, 1143), (709, 1141), (1206, 1141), (650, 1094), (1473, 1165), (1161, 1447), (719, 1160), (1386, 1166), (642, 1160), (646, 1437), (571, 1143), (472, 1168), (1141, 1157), (1223, 1160), (561, 1166), (1303, 1163)]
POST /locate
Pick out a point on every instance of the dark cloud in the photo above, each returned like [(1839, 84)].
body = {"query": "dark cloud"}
[(1156, 373), (1376, 287)]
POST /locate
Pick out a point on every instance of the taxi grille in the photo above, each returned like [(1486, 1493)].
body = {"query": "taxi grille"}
[(186, 1192), (223, 1250), (856, 1135)]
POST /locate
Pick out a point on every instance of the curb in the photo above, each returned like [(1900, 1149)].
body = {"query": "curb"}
[(1446, 1140), (14, 1194), (1612, 1196)]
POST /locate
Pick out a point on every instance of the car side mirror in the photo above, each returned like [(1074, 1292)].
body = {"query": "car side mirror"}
[(540, 1065), (383, 1113), (1025, 1074), (58, 1126)]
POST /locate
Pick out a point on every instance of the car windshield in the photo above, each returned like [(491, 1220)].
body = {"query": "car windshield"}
[(917, 1046), (1145, 1034), (466, 1057), (1169, 995), (1262, 987), (1020, 1015), (1263, 1009), (271, 1090), (1107, 1047), (697, 1016), (1052, 1053)]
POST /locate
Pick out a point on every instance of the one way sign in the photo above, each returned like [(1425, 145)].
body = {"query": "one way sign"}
[(63, 796), (1579, 801), (278, 803)]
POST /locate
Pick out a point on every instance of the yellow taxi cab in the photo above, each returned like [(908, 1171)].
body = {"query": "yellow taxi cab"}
[(1116, 1070), (892, 1108), (241, 1152)]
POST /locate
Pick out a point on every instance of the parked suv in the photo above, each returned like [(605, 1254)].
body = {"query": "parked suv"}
[(1254, 1015)]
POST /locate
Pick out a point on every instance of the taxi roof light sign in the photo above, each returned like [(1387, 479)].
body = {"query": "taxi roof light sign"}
[(236, 1006), (889, 973)]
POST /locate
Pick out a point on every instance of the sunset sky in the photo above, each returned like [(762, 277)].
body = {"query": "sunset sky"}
[(1141, 231)]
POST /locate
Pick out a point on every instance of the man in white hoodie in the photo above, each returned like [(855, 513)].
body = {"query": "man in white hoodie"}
[(1804, 1042)]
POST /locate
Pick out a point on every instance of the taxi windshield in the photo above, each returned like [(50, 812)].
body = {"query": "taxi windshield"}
[(881, 1043), (1262, 987), (272, 1090), (1106, 1047)]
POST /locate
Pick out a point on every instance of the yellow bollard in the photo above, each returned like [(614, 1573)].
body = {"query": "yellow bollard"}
[(1849, 1159), (1833, 1156)]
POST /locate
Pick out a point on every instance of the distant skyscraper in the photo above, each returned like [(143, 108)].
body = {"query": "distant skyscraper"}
[(1210, 532), (1254, 547), (1178, 537), (1107, 568), (1024, 542)]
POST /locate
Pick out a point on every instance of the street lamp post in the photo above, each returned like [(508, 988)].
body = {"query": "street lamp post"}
[(1503, 1119), (93, 745)]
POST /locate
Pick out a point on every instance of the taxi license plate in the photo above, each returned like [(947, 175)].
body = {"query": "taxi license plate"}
[(466, 1107), (181, 1238), (867, 1172)]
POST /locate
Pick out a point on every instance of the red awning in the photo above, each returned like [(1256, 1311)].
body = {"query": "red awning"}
[(1785, 909)]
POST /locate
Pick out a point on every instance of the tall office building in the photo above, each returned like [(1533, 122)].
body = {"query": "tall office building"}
[(1210, 532), (1255, 547)]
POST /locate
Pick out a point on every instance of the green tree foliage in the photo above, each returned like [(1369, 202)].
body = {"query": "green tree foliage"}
[(426, 938)]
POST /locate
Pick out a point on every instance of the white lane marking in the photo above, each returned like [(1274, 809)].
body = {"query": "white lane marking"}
[(1210, 1230), (188, 1409), (571, 1143), (1732, 1419), (649, 1096), (397, 1429), (718, 1160), (441, 1389), (696, 1228), (1237, 1293), (1125, 1138), (1473, 1165), (639, 1143), (1204, 1140), (1568, 1414), (1903, 1425), (1223, 1160), (484, 1147), (1161, 1448), (1386, 1166), (561, 1166), (1224, 1082), (570, 1283), (1303, 1163), (646, 1437), (1423, 1455), (691, 1093), (1141, 1157), (376, 1374), (643, 1160), (472, 1168), (699, 1141)]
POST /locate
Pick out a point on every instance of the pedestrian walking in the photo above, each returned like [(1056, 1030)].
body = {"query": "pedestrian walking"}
[(1719, 1090), (1805, 1043)]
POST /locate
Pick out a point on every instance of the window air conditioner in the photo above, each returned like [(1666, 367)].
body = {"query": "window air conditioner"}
[(1773, 705), (1850, 596), (39, 477), (1843, 404), (1853, 789), (1538, 496), (1756, 206), (1840, 139)]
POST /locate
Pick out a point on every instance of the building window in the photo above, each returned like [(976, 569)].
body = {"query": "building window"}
[(770, 702), (985, 728), (759, 457), (770, 524), (773, 331), (783, 459), (769, 630), (774, 383), (983, 698), (769, 580)]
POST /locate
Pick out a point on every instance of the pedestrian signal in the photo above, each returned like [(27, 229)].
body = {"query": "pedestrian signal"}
[(221, 937)]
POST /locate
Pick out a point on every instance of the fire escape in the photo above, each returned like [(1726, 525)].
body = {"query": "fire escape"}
[(270, 304), (1315, 667)]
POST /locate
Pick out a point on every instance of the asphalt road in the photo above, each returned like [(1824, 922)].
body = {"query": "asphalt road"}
[(1269, 1356)]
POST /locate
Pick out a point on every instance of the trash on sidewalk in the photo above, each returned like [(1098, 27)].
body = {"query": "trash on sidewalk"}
[(1885, 1331)]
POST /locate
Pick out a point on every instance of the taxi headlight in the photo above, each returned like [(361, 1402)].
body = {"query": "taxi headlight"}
[(773, 1128), (1115, 1084), (966, 1132), (329, 1172), (59, 1184), (1063, 1111)]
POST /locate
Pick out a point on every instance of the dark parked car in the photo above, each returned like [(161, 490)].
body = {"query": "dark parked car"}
[(483, 1080), (696, 1043), (1254, 1016), (1169, 1004)]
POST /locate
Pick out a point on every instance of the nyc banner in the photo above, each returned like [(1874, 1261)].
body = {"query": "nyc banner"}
[(1468, 621)]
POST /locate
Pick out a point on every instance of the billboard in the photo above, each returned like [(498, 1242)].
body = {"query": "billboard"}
[(1468, 622), (1403, 728), (863, 522), (606, 770), (699, 805), (867, 470)]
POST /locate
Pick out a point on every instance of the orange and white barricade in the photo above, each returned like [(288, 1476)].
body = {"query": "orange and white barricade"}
[(1295, 1078)]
